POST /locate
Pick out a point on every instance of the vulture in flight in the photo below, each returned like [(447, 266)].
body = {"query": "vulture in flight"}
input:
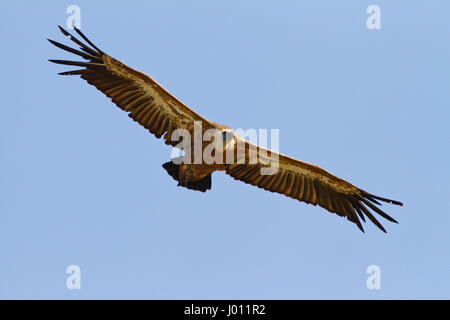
[(153, 107)]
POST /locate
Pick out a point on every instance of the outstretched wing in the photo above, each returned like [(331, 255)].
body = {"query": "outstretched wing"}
[(147, 102), (308, 183)]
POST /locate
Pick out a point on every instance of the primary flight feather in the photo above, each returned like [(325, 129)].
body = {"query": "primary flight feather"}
[(153, 107)]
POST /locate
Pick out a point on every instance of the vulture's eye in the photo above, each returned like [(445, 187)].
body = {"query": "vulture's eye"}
[(227, 135)]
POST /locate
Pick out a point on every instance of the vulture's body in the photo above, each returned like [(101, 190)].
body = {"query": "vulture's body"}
[(162, 114)]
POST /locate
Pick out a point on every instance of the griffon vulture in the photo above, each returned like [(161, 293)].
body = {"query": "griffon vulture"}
[(161, 113)]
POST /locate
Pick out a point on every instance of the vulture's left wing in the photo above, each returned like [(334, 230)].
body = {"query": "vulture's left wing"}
[(308, 183)]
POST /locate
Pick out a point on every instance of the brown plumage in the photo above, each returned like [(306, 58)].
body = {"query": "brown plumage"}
[(161, 113)]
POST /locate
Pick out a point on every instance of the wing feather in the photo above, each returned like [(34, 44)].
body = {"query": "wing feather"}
[(311, 184), (147, 102)]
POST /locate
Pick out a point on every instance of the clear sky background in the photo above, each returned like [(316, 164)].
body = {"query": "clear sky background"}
[(82, 184)]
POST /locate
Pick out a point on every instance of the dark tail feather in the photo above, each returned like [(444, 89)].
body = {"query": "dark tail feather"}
[(172, 169), (199, 185)]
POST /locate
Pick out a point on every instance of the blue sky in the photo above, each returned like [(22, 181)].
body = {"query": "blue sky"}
[(82, 184)]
